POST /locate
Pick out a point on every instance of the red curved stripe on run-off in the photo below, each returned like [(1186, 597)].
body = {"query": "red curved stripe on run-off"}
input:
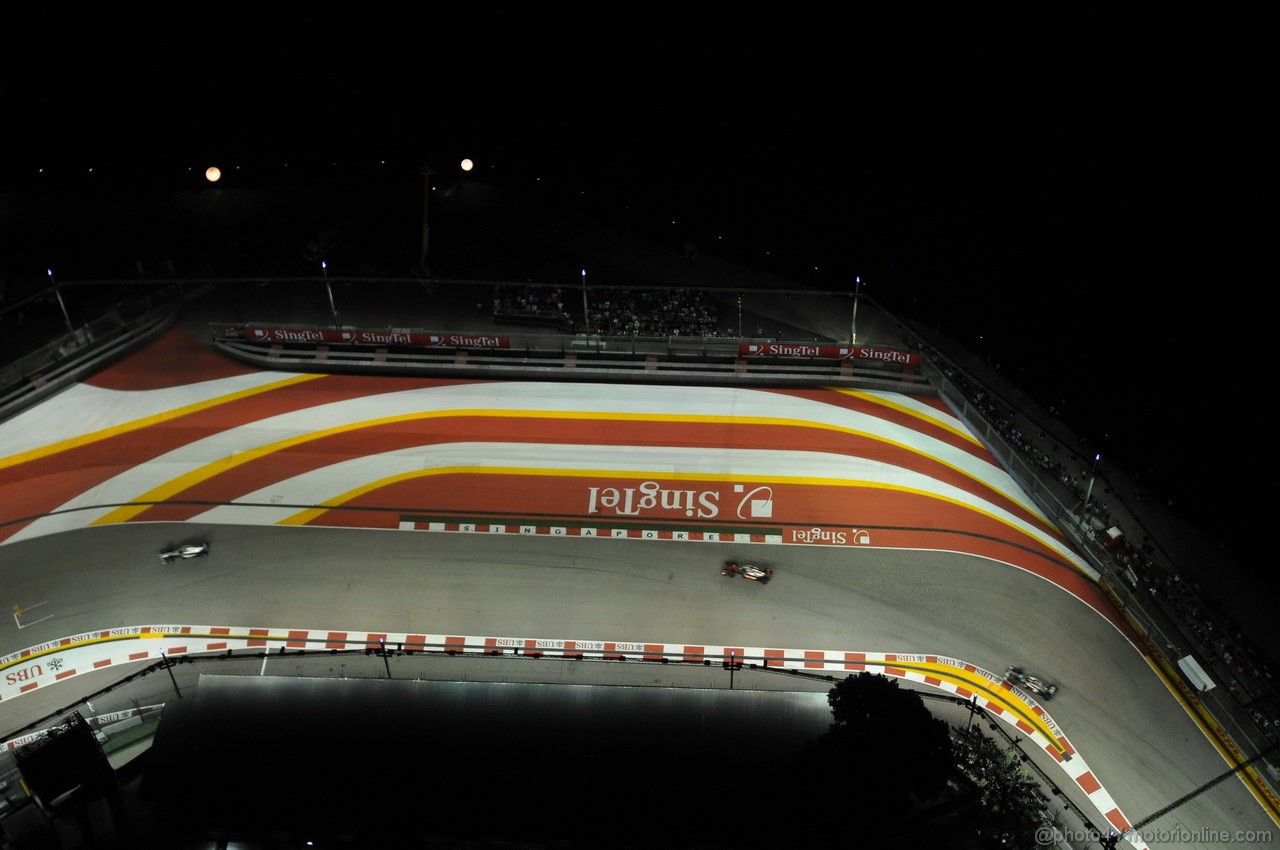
[(884, 409), (41, 485), (173, 359), (398, 436)]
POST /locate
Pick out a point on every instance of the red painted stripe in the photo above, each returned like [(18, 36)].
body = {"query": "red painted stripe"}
[(106, 662), (694, 653), (336, 640), (654, 652), (257, 633), (1088, 782), (374, 641), (815, 659), (64, 674), (212, 646), (415, 643), (1117, 820), (297, 639)]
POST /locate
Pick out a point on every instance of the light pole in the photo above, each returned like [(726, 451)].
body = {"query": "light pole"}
[(333, 308), (53, 281), (1092, 474), (739, 315), (853, 320), (586, 313), (426, 221)]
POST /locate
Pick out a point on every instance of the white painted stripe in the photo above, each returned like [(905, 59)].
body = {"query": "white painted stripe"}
[(515, 397)]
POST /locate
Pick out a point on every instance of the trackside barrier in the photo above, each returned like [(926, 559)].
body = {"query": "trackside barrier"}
[(59, 660)]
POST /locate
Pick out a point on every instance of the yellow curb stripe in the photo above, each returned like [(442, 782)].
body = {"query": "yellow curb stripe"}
[(976, 683)]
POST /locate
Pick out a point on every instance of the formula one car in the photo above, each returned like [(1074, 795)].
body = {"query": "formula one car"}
[(1034, 684), (187, 550), (747, 571)]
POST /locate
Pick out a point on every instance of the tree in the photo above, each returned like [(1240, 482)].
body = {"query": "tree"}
[(908, 779), (884, 755), (1009, 804)]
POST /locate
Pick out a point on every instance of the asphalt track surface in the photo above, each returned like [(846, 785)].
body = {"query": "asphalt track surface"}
[(956, 561)]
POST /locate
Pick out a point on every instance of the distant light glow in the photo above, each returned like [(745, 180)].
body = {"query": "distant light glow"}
[(213, 174), (467, 165)]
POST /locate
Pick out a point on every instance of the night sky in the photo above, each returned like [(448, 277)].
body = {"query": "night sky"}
[(1083, 204)]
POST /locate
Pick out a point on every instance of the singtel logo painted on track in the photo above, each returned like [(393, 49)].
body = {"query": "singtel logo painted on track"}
[(837, 536), (651, 498)]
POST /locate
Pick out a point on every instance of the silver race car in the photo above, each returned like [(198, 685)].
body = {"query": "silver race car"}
[(186, 550), (747, 571), (1033, 684)]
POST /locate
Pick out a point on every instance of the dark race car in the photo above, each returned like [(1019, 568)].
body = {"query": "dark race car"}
[(1033, 684), (187, 550), (747, 571)]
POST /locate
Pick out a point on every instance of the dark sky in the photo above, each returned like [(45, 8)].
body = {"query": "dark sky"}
[(1083, 202)]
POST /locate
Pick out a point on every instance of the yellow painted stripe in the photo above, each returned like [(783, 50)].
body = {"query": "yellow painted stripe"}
[(311, 514), (147, 421), (915, 414), (78, 644), (1006, 699), (1269, 804), (177, 485)]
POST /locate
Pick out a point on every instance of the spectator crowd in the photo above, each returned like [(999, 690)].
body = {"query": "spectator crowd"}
[(612, 311), (1248, 673)]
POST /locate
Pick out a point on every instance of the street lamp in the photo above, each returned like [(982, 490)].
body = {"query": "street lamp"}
[(53, 281), (739, 315), (333, 308), (586, 313), (853, 320)]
